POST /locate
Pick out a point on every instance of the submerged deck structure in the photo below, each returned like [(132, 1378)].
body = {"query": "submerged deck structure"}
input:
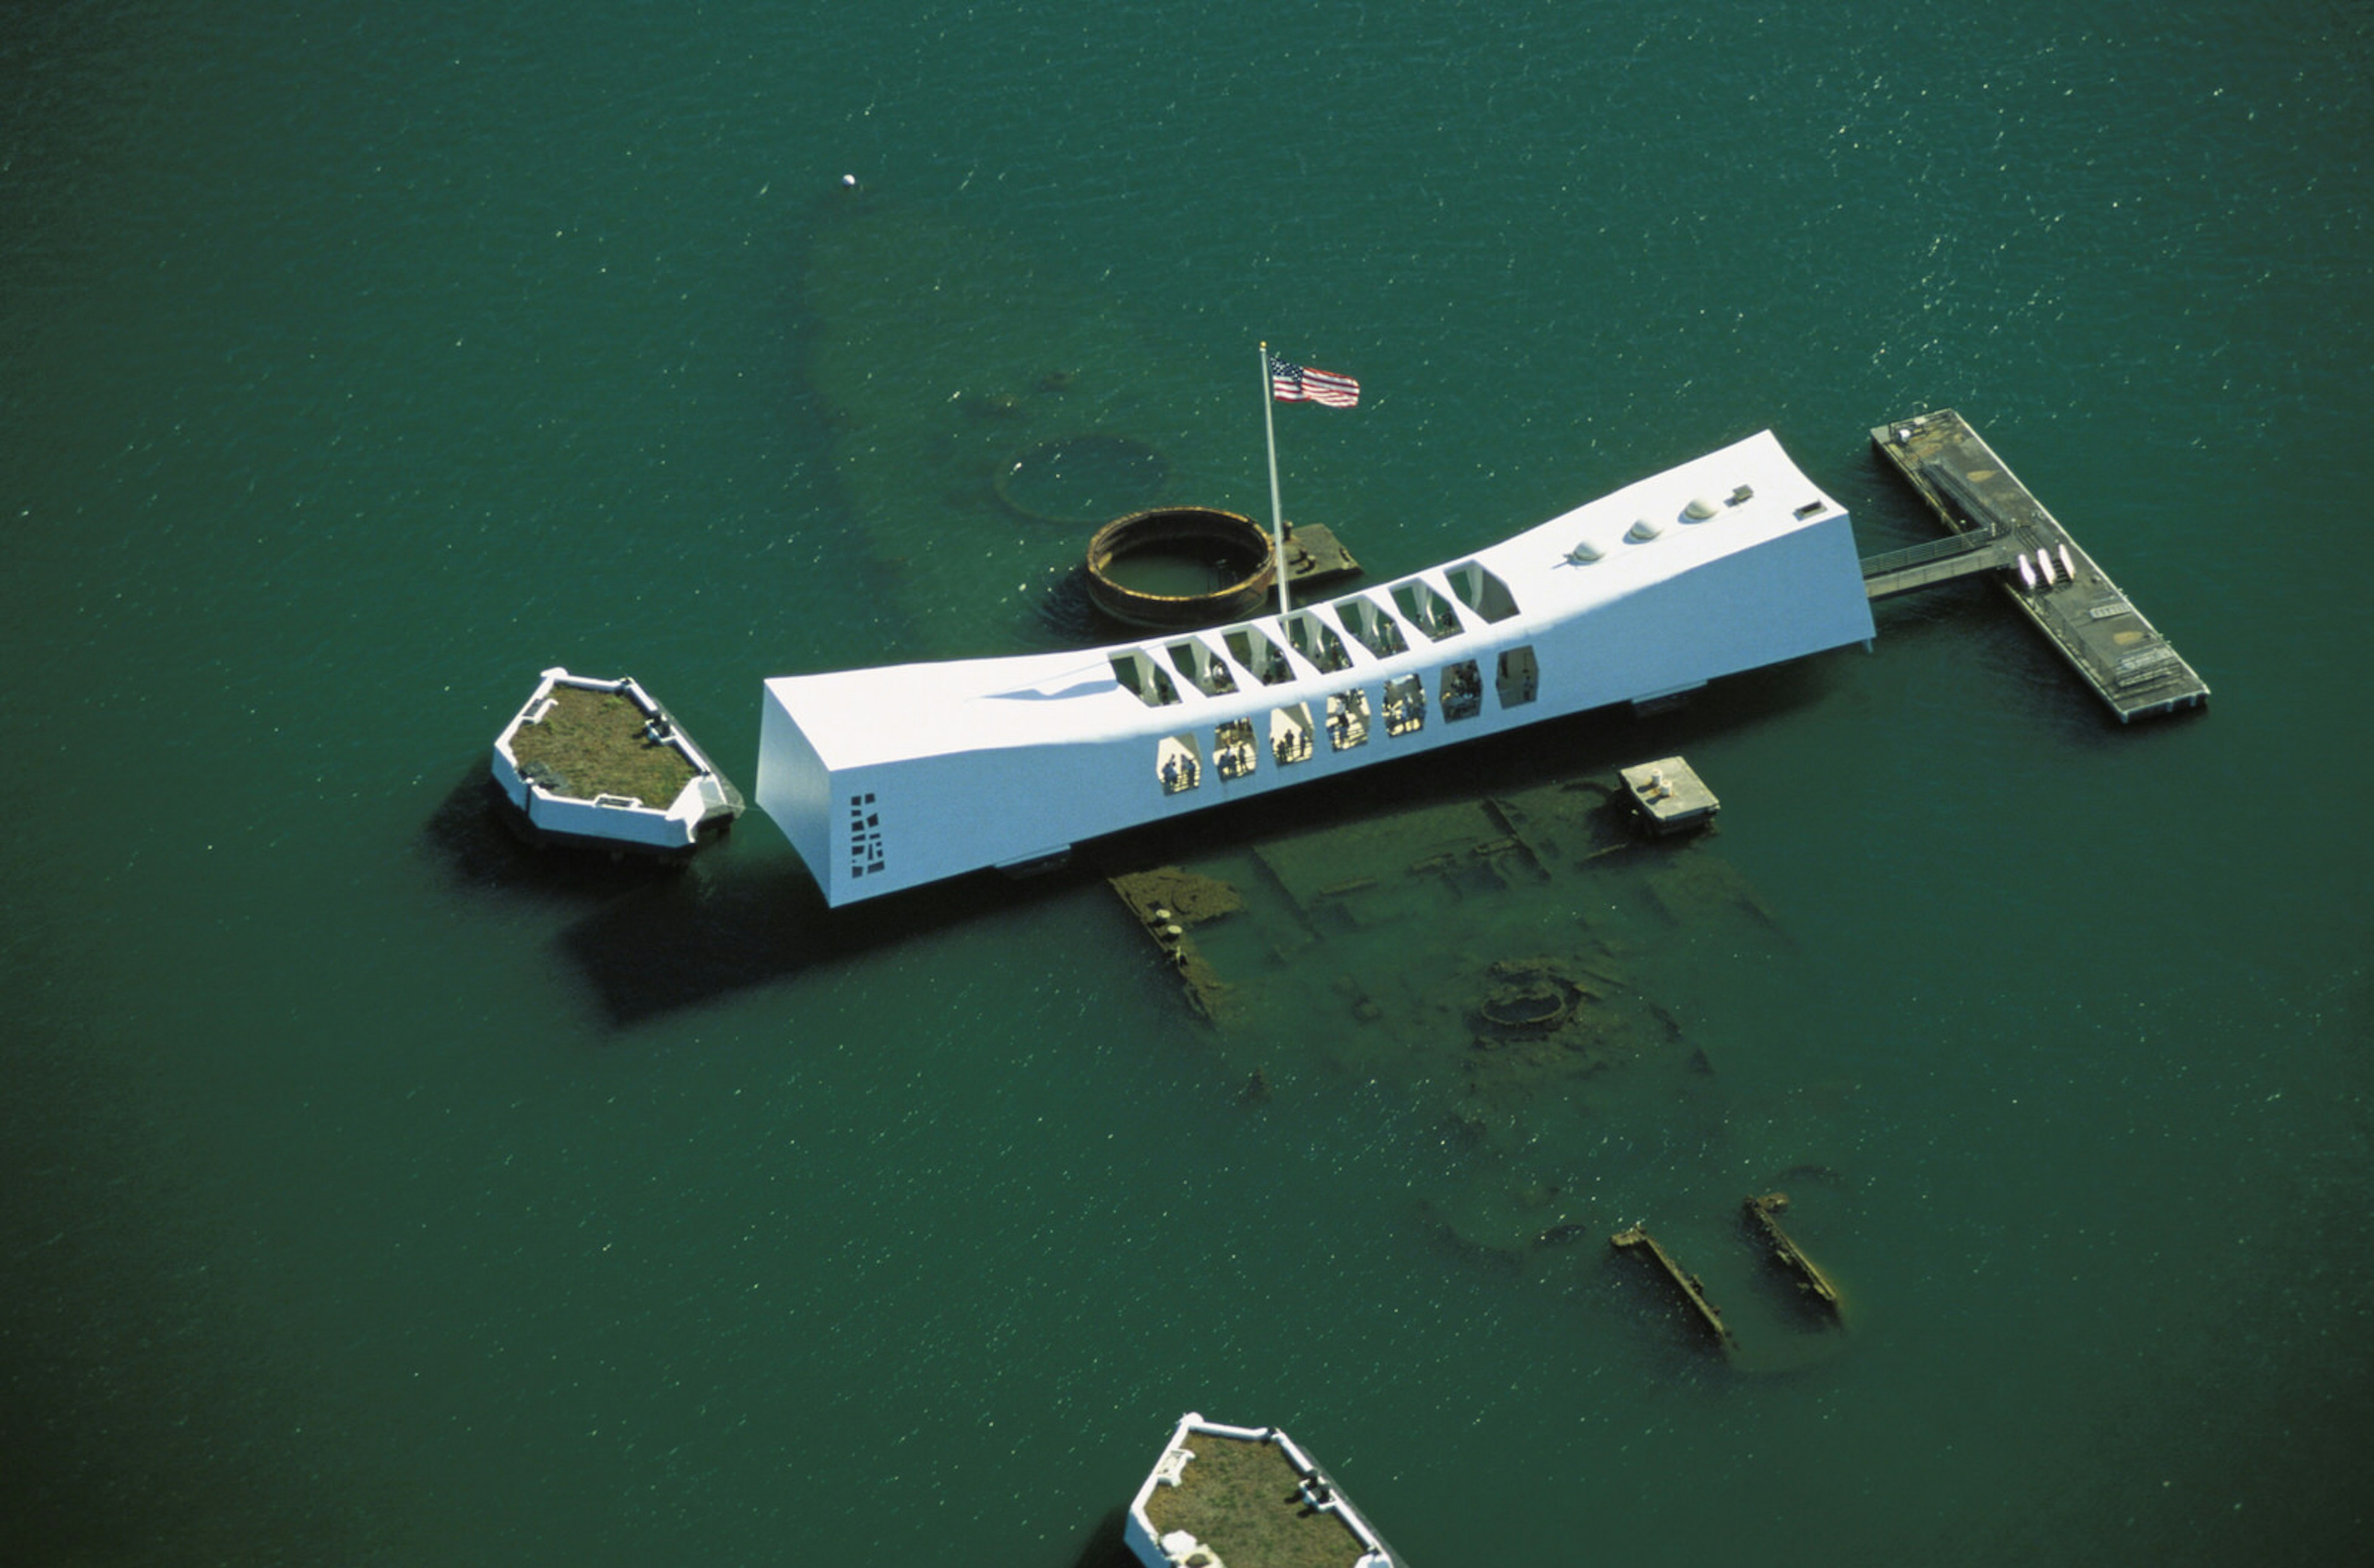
[(895, 777), (1997, 526), (1688, 1286)]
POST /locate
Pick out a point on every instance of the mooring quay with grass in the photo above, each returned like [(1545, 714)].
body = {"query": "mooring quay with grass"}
[(1246, 1497), (894, 777), (601, 763)]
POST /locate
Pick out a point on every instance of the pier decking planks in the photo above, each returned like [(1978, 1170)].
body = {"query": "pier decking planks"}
[(2095, 625)]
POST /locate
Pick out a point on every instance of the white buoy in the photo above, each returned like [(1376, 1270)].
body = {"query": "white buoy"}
[(2027, 573), (849, 181)]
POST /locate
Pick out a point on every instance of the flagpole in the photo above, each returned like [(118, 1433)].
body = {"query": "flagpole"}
[(1276, 514)]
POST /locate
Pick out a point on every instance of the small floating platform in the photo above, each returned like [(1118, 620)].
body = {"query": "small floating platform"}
[(1998, 526), (600, 763), (1670, 796)]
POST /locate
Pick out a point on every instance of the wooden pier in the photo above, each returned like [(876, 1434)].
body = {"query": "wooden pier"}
[(1996, 526)]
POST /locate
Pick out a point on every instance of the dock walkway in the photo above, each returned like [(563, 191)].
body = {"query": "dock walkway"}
[(1940, 560), (1997, 525)]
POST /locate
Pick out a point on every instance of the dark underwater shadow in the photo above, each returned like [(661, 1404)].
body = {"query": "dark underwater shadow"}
[(687, 941), (676, 942), (666, 940), (1107, 1546), (470, 836), (1067, 617)]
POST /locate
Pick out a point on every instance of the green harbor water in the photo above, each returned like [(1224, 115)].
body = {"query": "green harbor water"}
[(372, 1191)]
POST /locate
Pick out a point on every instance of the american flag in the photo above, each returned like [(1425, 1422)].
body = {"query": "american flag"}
[(1289, 383)]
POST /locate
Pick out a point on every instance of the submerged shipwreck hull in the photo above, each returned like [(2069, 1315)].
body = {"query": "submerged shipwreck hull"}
[(1570, 1021), (894, 777)]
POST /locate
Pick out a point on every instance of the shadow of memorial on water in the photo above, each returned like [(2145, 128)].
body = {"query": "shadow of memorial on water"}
[(690, 941), (1108, 1545), (679, 942), (662, 941), (472, 837), (1068, 617), (664, 933)]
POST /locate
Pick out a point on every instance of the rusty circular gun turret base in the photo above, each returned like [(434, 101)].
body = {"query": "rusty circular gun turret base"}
[(1237, 544), (1539, 1001)]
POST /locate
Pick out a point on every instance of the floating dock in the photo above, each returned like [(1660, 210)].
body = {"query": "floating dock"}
[(1997, 526)]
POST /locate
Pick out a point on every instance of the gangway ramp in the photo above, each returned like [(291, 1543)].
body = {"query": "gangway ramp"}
[(1939, 560)]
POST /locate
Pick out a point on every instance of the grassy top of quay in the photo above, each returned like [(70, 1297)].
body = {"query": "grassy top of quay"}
[(1244, 1501), (593, 743)]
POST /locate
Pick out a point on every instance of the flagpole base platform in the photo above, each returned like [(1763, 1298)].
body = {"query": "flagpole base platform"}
[(1315, 557)]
